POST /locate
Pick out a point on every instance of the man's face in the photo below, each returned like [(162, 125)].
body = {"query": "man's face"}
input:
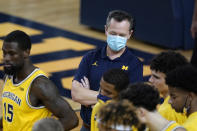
[(13, 58), (157, 79), (107, 89), (178, 99), (118, 28)]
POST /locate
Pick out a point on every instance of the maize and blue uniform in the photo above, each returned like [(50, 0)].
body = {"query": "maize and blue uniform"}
[(18, 113)]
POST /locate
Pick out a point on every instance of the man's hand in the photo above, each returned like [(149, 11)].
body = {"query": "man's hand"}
[(85, 83), (194, 20), (194, 28), (1, 123)]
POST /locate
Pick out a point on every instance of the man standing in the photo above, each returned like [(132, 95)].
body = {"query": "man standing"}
[(85, 86), (28, 95)]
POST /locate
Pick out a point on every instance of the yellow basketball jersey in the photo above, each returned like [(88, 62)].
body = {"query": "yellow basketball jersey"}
[(172, 126), (170, 114), (191, 123), (18, 113), (95, 110)]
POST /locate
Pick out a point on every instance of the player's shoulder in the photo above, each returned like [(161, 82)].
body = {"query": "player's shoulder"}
[(42, 82), (43, 87)]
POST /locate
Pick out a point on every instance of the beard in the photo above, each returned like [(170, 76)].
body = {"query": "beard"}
[(11, 70)]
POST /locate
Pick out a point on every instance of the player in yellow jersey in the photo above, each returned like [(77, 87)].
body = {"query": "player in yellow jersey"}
[(28, 95), (160, 66), (118, 116), (146, 98), (112, 82), (182, 83)]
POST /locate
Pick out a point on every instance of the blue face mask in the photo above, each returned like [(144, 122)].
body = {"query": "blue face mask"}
[(116, 43), (103, 98)]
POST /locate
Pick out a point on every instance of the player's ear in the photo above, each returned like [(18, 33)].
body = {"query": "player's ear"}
[(141, 114), (106, 29), (26, 53), (130, 34)]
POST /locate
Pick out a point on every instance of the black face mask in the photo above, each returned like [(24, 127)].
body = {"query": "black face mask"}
[(184, 108), (104, 98)]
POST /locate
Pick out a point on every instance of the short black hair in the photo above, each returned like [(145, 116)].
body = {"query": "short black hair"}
[(21, 38), (167, 61), (117, 77), (119, 16), (184, 78), (142, 95)]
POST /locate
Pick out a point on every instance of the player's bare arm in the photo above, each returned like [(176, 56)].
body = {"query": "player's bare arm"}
[(1, 123), (44, 92), (1, 118)]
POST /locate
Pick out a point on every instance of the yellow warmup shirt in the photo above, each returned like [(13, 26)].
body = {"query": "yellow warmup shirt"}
[(18, 113), (191, 122), (170, 114), (94, 123), (172, 126)]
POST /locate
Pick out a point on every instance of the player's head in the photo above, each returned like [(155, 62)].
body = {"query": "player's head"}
[(182, 83), (16, 49), (142, 95), (117, 116), (48, 124), (113, 81), (20, 38), (161, 65)]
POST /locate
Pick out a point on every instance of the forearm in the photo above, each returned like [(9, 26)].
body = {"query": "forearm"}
[(84, 96), (1, 123), (194, 21), (65, 114), (69, 122), (91, 99), (195, 11)]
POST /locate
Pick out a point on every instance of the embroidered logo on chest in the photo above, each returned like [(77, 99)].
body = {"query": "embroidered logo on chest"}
[(95, 63), (125, 67)]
